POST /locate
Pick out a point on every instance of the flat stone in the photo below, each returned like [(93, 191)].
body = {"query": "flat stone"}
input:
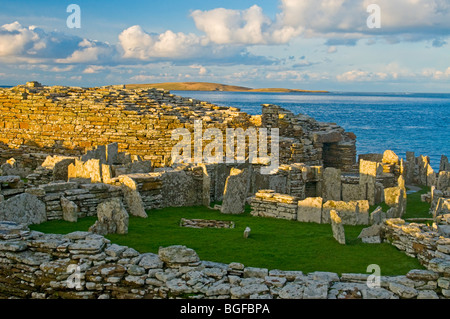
[(24, 208), (419, 274), (252, 272), (150, 261), (178, 255), (291, 291), (58, 187), (77, 235), (402, 290), (87, 245), (13, 246), (9, 179)]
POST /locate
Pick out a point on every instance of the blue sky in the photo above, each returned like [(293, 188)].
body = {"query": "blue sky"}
[(305, 44)]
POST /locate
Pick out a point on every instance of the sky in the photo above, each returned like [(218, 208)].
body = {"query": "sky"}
[(335, 45)]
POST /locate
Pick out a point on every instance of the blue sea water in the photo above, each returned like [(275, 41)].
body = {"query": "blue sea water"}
[(401, 122)]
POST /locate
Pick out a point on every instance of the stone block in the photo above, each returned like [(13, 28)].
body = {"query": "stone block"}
[(235, 193), (112, 218), (337, 227), (69, 209), (24, 208), (331, 188)]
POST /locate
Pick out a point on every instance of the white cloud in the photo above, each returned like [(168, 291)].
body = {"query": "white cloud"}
[(341, 22), (250, 26), (92, 69), (201, 69), (18, 40), (437, 74), (138, 44), (90, 52), (362, 76)]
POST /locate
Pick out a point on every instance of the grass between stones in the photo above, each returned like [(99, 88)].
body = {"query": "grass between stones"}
[(272, 244)]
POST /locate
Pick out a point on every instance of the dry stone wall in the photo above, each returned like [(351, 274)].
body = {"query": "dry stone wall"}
[(267, 203), (36, 120)]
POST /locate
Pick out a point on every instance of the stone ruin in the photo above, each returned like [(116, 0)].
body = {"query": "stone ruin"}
[(105, 152)]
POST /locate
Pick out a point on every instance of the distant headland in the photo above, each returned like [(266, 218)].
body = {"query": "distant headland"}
[(206, 86)]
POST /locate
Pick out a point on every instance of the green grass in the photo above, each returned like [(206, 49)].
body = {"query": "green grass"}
[(415, 208), (273, 243)]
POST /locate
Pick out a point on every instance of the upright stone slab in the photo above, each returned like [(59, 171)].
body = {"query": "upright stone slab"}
[(112, 218), (443, 181), (395, 197), (331, 188), (206, 189), (235, 192), (24, 208), (348, 211), (431, 176), (61, 169), (362, 213), (423, 162), (337, 227), (444, 165), (111, 152), (310, 210), (368, 172), (410, 167), (70, 210), (132, 196), (377, 216)]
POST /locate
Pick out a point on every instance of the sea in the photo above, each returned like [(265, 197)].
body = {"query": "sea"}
[(401, 122)]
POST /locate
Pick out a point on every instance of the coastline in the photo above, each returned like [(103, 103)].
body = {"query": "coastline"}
[(209, 87)]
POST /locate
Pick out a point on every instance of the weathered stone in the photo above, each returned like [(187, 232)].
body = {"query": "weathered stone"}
[(132, 197), (402, 290), (24, 208), (443, 180), (178, 255), (331, 189), (235, 192), (389, 157), (371, 235), (10, 179), (351, 192), (58, 187), (396, 197), (368, 172), (310, 210), (61, 169), (348, 212), (70, 210), (377, 216), (337, 227), (291, 291), (252, 272), (112, 218)]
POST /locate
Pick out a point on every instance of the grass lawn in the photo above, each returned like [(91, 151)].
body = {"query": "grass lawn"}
[(415, 208), (273, 243)]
